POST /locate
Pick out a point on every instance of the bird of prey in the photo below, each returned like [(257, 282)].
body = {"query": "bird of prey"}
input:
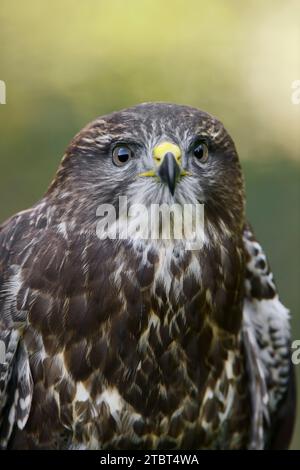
[(141, 343)]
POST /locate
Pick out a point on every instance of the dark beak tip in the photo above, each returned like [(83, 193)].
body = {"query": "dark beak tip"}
[(169, 171)]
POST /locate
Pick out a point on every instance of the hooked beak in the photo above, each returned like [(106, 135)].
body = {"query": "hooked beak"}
[(169, 171), (167, 159)]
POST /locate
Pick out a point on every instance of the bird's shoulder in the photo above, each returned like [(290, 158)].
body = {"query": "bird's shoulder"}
[(37, 309)]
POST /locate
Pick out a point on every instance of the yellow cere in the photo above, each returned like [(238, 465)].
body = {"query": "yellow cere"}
[(148, 173), (164, 147)]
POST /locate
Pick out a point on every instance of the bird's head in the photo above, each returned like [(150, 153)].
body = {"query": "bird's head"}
[(154, 153)]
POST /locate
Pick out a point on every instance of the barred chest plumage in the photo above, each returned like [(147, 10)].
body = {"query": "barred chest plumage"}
[(172, 316), (151, 359), (157, 360)]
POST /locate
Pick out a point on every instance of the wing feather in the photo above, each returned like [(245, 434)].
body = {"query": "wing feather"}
[(15, 378), (267, 340)]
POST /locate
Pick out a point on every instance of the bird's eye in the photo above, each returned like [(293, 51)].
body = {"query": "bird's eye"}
[(201, 152), (121, 155)]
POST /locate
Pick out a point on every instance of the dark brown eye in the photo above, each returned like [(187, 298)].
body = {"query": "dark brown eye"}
[(201, 152), (121, 155)]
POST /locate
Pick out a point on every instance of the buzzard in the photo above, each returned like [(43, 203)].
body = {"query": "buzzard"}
[(141, 343)]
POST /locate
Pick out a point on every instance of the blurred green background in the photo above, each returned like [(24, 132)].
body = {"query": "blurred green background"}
[(66, 62)]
